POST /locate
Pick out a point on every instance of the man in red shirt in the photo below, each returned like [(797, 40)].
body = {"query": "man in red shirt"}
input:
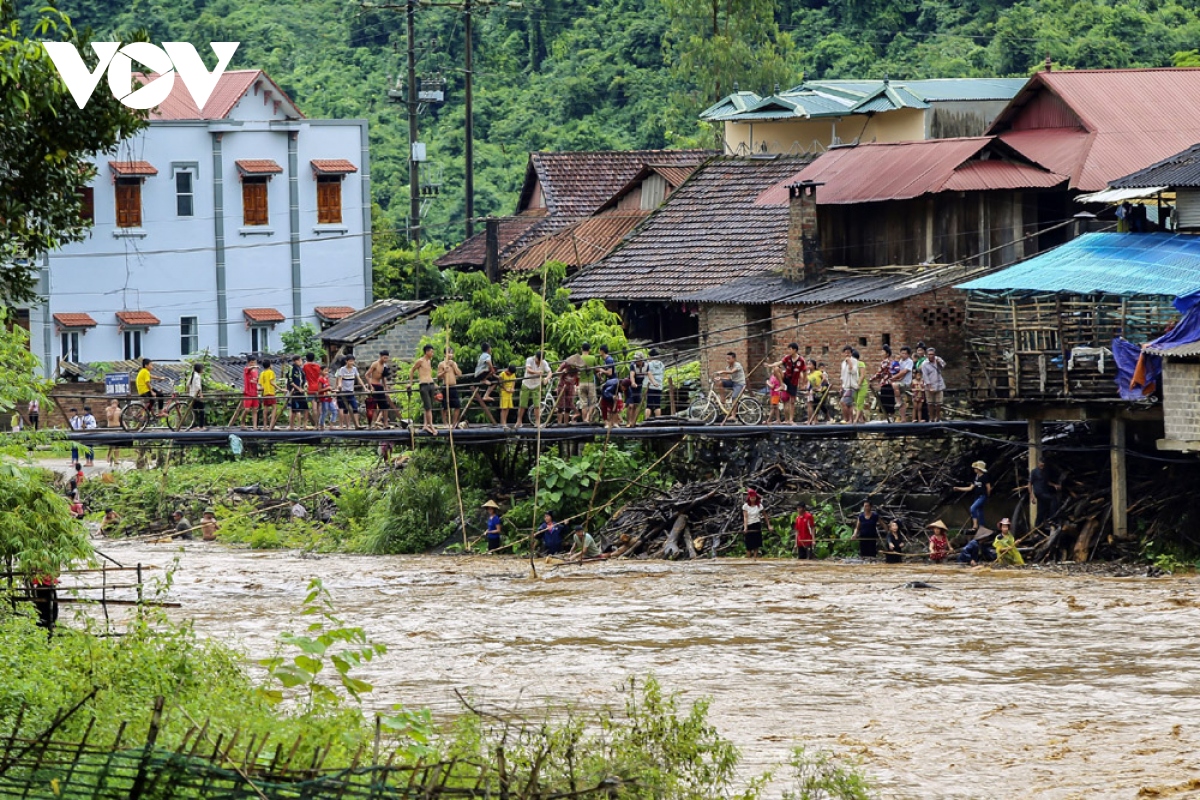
[(249, 395), (792, 365), (805, 527)]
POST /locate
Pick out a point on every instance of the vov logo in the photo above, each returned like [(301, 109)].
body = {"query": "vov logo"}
[(167, 60)]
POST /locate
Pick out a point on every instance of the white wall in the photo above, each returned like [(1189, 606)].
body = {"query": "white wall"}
[(169, 267)]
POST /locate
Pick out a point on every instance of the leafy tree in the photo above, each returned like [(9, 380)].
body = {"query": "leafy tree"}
[(45, 143), (300, 339), (37, 531)]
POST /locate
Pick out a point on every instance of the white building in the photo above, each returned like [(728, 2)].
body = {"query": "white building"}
[(214, 229)]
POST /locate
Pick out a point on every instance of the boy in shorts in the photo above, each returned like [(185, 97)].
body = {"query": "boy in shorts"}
[(249, 394), (267, 383)]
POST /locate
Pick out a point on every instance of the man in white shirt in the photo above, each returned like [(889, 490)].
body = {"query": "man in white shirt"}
[(902, 380), (537, 375), (935, 384), (347, 382), (655, 370)]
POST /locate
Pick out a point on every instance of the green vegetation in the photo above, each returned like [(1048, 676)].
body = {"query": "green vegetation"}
[(572, 75), (654, 747), (45, 139)]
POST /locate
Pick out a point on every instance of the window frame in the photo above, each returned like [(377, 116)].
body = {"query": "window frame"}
[(260, 338), (189, 195), (132, 336), (87, 204), (261, 217), (329, 213), (69, 346), (189, 335), (128, 217)]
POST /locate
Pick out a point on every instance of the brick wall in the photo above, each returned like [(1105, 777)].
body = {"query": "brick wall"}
[(720, 325), (402, 340), (1181, 400), (936, 318)]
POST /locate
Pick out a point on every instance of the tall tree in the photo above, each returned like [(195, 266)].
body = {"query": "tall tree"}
[(713, 44), (46, 141)]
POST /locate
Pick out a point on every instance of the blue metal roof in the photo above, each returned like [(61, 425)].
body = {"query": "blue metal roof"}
[(1106, 263)]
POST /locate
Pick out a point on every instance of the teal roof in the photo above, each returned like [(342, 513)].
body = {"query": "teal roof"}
[(1106, 263), (838, 98)]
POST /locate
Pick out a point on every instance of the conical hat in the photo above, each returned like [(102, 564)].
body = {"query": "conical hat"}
[(938, 524)]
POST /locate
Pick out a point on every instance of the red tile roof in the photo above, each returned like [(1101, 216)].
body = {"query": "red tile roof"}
[(263, 315), (473, 252), (710, 231), (69, 320), (333, 313), (332, 166), (1099, 125), (258, 166), (231, 87), (574, 185), (128, 169), (580, 243), (137, 319)]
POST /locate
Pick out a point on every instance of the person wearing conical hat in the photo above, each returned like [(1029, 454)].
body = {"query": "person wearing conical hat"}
[(980, 489), (494, 524), (1006, 546), (939, 543)]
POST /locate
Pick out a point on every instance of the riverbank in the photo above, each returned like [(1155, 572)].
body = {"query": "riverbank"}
[(997, 684)]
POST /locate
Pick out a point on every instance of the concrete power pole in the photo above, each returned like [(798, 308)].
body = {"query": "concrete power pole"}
[(469, 149)]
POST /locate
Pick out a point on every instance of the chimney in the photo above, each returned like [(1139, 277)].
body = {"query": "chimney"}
[(491, 263), (1049, 63), (803, 262)]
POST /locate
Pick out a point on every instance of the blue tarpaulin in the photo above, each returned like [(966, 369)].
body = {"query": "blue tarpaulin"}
[(1139, 372)]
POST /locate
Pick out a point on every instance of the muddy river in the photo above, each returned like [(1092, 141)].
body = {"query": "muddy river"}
[(998, 684)]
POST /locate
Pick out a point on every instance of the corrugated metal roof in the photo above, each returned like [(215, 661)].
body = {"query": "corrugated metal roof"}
[(366, 323), (231, 87), (976, 176), (1178, 351), (1136, 117), (767, 289), (1179, 170), (1106, 263), (960, 89), (888, 171)]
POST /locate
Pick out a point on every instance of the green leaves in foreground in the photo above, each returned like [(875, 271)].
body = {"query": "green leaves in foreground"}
[(327, 641)]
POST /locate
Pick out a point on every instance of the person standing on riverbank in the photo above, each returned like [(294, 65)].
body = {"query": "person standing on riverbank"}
[(754, 518), (805, 527), (494, 525), (1006, 546), (939, 543), (866, 531), (1045, 491), (893, 552)]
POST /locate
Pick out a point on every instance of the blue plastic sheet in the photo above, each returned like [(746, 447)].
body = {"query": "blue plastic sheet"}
[(1126, 355)]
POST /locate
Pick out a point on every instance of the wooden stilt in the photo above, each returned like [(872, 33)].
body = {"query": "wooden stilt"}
[(1035, 455), (1120, 497)]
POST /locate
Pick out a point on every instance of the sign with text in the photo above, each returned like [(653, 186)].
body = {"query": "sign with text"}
[(116, 383), (167, 60)]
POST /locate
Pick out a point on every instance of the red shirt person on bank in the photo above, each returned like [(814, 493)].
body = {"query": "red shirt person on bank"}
[(805, 527)]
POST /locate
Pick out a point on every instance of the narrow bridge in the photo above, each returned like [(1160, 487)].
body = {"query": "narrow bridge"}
[(494, 434)]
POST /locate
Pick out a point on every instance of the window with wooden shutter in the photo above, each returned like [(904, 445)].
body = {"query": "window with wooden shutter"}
[(254, 201), (87, 203), (329, 199), (129, 202)]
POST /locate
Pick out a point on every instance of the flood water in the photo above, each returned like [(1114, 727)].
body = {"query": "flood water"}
[(999, 684)]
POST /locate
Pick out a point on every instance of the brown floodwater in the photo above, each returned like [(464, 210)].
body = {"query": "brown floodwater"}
[(999, 684)]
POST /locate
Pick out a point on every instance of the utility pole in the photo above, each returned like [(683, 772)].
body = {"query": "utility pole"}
[(414, 168), (470, 127)]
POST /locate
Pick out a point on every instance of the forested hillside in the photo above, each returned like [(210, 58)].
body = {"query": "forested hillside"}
[(574, 74)]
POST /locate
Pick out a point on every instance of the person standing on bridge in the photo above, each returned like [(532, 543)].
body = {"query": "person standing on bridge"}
[(655, 374), (297, 389), (195, 390), (249, 394), (422, 369), (269, 384), (794, 370), (902, 381), (312, 381), (935, 383), (348, 381), (850, 379), (587, 381), (377, 375), (537, 375), (449, 372)]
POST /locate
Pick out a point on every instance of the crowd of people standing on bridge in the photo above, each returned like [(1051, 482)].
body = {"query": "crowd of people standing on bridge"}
[(590, 388)]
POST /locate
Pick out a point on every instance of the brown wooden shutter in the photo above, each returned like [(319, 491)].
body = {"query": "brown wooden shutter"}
[(87, 204), (254, 201), (329, 200), (129, 204)]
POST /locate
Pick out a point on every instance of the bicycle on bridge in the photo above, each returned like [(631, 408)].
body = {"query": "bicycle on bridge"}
[(177, 414), (708, 406)]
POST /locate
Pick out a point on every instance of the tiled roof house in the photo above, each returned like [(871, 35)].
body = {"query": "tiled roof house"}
[(563, 188)]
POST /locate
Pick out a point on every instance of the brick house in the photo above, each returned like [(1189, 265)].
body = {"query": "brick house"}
[(824, 310)]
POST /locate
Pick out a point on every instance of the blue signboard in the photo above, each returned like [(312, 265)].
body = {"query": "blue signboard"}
[(116, 383)]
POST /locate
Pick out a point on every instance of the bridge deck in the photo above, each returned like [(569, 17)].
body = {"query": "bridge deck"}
[(492, 434)]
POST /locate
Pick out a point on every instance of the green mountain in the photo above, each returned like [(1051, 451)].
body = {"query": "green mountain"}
[(596, 74)]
